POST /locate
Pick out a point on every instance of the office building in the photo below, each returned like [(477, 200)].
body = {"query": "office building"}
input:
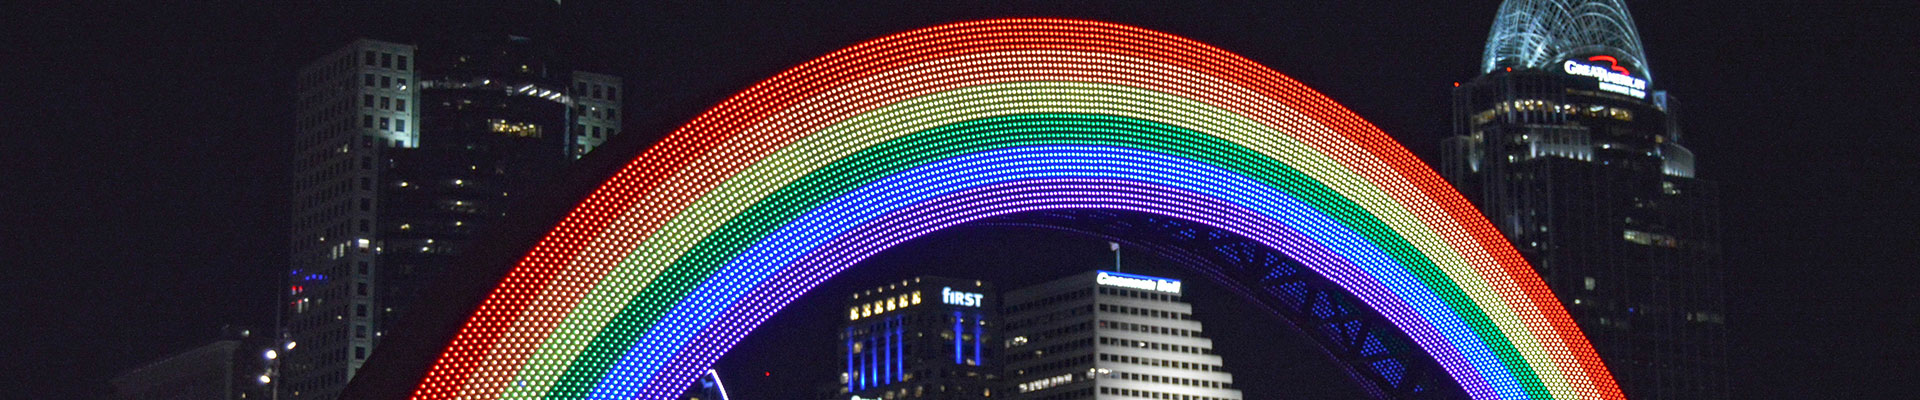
[(403, 156), (921, 338), (1569, 148), (1109, 335), (236, 367)]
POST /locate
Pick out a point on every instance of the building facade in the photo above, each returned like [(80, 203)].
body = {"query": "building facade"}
[(921, 338), (353, 106), (403, 156), (1109, 335), (236, 367), (1567, 147)]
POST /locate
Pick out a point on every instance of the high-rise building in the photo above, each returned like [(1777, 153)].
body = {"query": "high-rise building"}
[(1109, 335), (236, 367), (922, 338), (1567, 146), (404, 155), (353, 106)]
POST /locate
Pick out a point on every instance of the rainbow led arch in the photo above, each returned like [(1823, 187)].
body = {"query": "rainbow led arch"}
[(704, 235)]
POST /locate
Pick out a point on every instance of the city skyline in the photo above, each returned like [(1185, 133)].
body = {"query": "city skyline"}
[(1393, 113)]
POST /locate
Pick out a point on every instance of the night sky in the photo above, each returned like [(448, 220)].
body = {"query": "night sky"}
[(145, 196)]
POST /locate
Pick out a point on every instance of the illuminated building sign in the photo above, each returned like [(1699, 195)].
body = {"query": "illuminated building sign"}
[(890, 303), (1046, 383), (1612, 78), (1141, 282), (959, 298)]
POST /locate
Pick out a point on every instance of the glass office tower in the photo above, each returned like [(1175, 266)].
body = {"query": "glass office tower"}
[(1567, 146)]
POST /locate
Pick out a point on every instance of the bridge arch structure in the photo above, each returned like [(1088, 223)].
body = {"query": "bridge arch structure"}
[(1241, 173)]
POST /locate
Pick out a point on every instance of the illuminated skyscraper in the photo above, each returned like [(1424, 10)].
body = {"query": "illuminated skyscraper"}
[(922, 338), (1567, 146), (1109, 335), (403, 156)]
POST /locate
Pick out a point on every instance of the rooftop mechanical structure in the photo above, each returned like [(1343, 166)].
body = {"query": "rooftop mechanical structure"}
[(1530, 34)]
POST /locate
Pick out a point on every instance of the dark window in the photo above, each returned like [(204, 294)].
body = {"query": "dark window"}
[(360, 288), (399, 104), (596, 132), (402, 64), (613, 113), (400, 125), (596, 91), (366, 100), (386, 81), (369, 79), (368, 56), (366, 121), (580, 87), (365, 227), (359, 353), (386, 60), (360, 331), (613, 93), (366, 204), (383, 122), (360, 310), (366, 184), (363, 268)]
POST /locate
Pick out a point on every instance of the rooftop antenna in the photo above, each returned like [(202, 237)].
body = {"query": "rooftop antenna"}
[(1115, 246)]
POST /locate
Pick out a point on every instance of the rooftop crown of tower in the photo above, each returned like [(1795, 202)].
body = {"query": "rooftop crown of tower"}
[(1537, 33)]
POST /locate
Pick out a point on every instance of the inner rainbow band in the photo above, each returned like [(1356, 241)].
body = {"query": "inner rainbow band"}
[(707, 233)]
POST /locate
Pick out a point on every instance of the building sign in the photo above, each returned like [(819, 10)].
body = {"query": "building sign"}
[(878, 307), (1046, 383), (1612, 77), (959, 298), (1141, 282)]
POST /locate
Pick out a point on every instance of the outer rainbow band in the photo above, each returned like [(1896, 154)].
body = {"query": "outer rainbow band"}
[(707, 233)]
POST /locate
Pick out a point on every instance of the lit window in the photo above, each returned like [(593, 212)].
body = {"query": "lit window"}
[(515, 129)]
